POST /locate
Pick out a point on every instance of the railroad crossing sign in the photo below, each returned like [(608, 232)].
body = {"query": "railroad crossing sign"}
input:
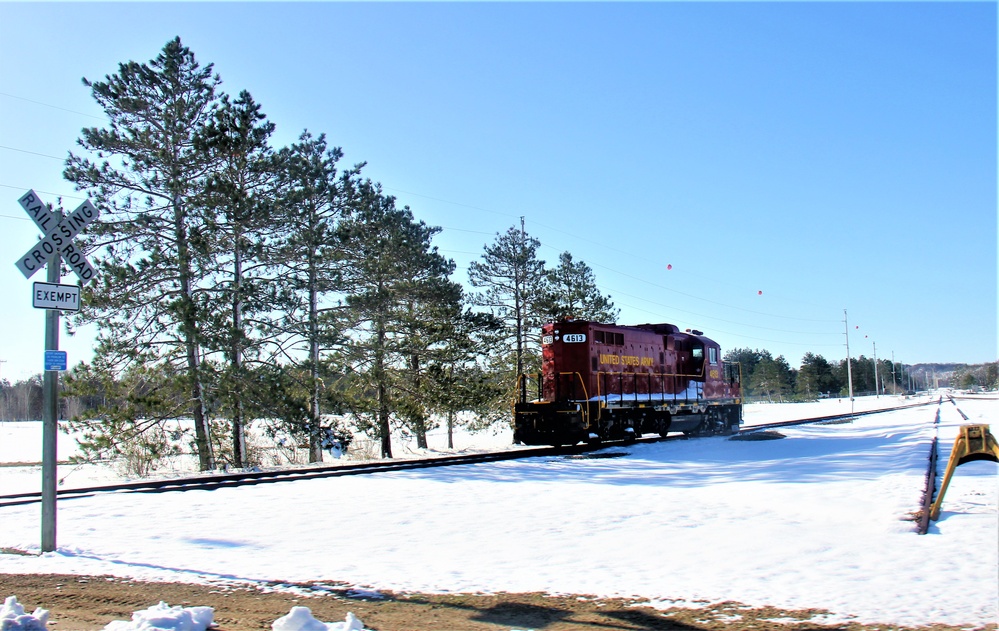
[(58, 237)]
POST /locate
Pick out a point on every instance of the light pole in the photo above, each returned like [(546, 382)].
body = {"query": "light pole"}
[(849, 371), (877, 391), (894, 384), (3, 404)]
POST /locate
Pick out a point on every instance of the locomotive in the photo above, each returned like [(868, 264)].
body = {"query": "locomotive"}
[(610, 382)]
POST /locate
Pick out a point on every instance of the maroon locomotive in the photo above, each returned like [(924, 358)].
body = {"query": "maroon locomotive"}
[(610, 382)]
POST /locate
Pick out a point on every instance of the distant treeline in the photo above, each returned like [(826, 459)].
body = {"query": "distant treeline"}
[(773, 379)]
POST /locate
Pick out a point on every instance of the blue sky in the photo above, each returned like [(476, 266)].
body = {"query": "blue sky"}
[(829, 155)]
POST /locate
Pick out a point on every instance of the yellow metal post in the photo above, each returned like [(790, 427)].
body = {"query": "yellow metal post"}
[(975, 442)]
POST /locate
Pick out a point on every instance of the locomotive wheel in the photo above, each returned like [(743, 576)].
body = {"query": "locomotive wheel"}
[(662, 426)]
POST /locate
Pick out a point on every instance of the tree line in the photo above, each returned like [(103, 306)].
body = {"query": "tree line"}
[(239, 281), (771, 378)]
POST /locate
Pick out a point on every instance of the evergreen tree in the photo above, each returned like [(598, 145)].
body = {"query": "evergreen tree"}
[(454, 379), (240, 192), (815, 376), (569, 291), (772, 377), (390, 266), (308, 259), (426, 330), (510, 276), (148, 296)]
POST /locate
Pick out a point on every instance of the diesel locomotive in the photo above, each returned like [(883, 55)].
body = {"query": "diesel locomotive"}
[(610, 382)]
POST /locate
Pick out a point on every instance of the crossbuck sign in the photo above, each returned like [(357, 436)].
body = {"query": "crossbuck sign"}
[(58, 237)]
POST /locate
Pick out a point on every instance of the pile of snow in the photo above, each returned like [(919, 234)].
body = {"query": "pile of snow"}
[(163, 617), (301, 619), (13, 618)]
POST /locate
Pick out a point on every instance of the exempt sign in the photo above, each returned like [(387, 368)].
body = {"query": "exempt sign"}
[(52, 296)]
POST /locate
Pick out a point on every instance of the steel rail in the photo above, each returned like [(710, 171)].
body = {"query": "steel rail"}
[(211, 482), (832, 417)]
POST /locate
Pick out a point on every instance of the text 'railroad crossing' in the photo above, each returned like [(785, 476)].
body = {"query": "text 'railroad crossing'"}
[(58, 237)]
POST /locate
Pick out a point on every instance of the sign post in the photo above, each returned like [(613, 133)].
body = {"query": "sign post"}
[(56, 245), (50, 420)]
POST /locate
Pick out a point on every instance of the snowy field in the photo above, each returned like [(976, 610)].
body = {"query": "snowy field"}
[(820, 519)]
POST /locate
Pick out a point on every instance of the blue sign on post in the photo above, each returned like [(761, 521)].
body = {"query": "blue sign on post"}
[(55, 360)]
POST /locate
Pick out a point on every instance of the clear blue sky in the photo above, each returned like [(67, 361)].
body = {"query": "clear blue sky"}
[(829, 155)]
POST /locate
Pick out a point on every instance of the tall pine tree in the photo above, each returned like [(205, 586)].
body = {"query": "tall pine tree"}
[(309, 260), (570, 291), (395, 274), (510, 277), (148, 301), (238, 199)]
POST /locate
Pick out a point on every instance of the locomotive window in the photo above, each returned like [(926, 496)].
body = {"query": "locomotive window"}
[(713, 355), (616, 338), (598, 337), (698, 352)]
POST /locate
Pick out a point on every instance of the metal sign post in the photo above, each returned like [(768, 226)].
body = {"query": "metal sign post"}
[(50, 420), (56, 245)]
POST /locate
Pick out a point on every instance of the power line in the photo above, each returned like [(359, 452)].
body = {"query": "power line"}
[(55, 107), (34, 153), (25, 188)]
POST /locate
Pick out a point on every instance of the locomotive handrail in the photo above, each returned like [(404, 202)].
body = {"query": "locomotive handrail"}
[(521, 390), (585, 408)]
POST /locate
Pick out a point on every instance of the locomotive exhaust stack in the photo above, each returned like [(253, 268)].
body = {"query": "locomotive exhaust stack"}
[(611, 382)]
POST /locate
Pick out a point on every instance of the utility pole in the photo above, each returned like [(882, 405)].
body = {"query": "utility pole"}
[(894, 384), (3, 404), (849, 371), (877, 391)]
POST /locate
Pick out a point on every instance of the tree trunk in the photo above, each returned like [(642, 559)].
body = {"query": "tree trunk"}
[(384, 430), (419, 419), (189, 329), (238, 435), (315, 433), (450, 429)]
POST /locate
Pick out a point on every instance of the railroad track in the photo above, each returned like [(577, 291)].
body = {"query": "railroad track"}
[(210, 482), (833, 417)]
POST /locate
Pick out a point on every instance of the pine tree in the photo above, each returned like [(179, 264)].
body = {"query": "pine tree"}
[(395, 274), (570, 292), (772, 377), (815, 376), (309, 261), (456, 381), (510, 276), (241, 194), (149, 301)]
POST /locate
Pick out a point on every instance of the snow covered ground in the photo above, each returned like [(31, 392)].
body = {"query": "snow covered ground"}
[(820, 519)]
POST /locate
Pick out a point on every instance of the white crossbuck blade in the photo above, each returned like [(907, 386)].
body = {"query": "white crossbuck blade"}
[(58, 237)]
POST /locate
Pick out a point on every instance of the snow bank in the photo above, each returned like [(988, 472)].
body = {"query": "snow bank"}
[(163, 617), (13, 618), (301, 619)]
